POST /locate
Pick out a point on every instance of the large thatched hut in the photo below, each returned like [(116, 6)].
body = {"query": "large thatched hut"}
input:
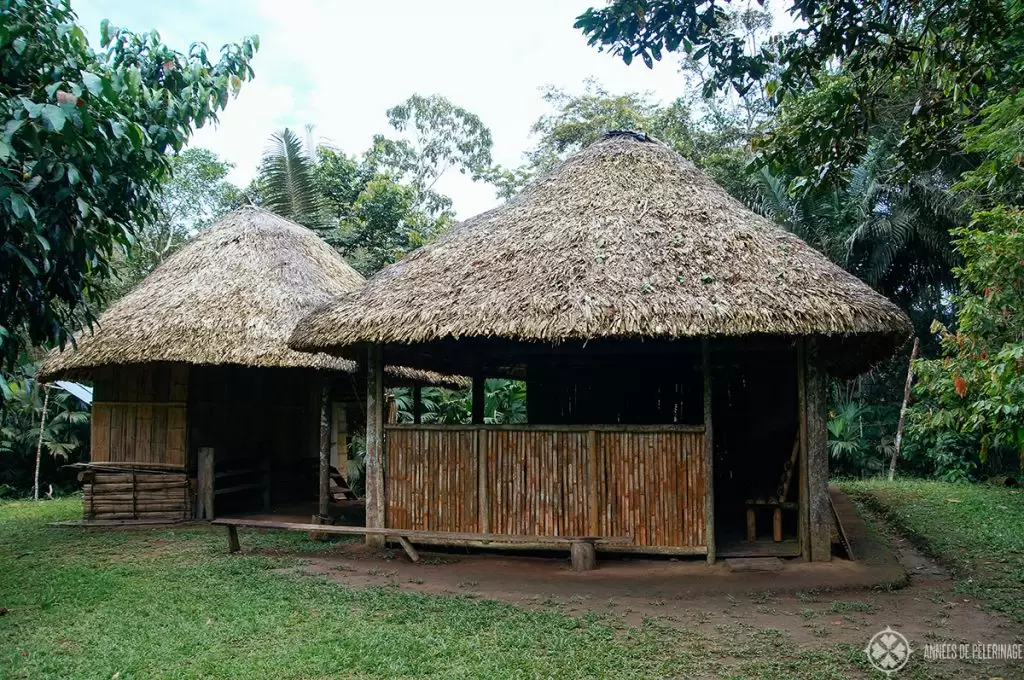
[(196, 387), (675, 347)]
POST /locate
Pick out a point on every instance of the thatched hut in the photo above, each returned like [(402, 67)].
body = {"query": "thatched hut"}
[(193, 378), (675, 347)]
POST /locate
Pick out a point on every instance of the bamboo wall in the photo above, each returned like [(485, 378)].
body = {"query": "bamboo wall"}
[(139, 416), (644, 483)]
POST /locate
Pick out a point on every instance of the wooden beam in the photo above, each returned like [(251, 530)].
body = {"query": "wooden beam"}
[(324, 496), (478, 399), (819, 514), (709, 454), (233, 545), (417, 403), (801, 387), (375, 444), (204, 496)]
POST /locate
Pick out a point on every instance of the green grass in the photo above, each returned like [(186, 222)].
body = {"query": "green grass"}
[(976, 530), (172, 603)]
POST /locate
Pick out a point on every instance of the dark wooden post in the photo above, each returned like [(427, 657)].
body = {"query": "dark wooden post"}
[(815, 515), (417, 403), (205, 481), (375, 443), (323, 508), (709, 453), (820, 515), (478, 399)]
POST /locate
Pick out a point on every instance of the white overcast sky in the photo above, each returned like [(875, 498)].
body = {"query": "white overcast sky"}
[(341, 64)]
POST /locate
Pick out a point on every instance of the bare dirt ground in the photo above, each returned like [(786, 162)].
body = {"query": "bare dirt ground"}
[(815, 604)]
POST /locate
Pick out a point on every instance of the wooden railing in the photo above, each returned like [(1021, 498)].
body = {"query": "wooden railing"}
[(644, 482)]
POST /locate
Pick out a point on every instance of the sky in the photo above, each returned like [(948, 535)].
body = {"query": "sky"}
[(340, 64)]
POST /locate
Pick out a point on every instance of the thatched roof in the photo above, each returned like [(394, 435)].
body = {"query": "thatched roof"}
[(622, 240), (232, 295)]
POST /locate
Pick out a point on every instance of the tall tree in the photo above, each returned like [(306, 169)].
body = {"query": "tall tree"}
[(83, 151)]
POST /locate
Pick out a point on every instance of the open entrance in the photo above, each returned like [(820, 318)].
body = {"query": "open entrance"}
[(755, 407)]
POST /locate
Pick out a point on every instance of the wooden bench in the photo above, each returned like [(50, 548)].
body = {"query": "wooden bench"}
[(582, 549), (776, 503)]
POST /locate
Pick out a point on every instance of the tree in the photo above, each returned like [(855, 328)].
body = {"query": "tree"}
[(977, 387), (192, 196), (85, 145), (930, 67), (287, 180)]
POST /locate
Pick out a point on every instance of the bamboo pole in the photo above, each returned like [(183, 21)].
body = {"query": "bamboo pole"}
[(903, 409), (325, 453)]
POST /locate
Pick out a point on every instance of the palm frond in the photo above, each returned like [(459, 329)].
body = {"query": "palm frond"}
[(287, 177)]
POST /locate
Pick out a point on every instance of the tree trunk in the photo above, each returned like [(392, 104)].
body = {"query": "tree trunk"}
[(903, 410), (39, 445)]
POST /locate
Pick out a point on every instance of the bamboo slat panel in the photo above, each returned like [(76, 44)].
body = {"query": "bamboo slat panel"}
[(137, 495), (138, 433), (648, 484), (431, 480)]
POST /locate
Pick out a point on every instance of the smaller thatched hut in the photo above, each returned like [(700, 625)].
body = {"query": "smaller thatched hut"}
[(191, 368), (675, 347)]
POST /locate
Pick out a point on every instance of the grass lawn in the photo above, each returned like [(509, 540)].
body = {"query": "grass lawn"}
[(172, 603), (978, 531)]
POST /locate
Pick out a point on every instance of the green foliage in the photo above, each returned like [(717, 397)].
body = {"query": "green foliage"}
[(287, 179), (927, 66), (977, 387), (504, 404), (65, 432), (84, 147)]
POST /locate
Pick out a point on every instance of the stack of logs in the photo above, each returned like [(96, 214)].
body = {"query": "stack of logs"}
[(136, 494)]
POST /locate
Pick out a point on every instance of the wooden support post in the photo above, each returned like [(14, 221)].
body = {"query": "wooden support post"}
[(803, 526), (325, 452), (483, 499), (478, 399), (751, 524), (233, 545), (819, 516), (583, 555), (593, 477), (409, 550), (777, 525), (709, 454), (204, 502), (417, 403), (375, 443)]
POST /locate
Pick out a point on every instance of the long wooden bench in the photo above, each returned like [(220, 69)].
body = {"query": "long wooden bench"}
[(582, 549)]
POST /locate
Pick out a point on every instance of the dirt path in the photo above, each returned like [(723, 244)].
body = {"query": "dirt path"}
[(710, 601)]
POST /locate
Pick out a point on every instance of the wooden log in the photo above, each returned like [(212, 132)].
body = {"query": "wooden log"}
[(777, 525), (803, 525), (820, 513), (205, 496), (324, 496), (375, 513), (583, 556), (709, 454)]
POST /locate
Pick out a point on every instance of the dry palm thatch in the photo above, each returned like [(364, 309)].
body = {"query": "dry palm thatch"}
[(230, 296), (622, 240)]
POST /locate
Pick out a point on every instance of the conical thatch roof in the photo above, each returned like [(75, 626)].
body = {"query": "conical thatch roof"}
[(622, 240), (230, 296)]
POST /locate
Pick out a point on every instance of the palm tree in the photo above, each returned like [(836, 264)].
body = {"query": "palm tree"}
[(287, 179)]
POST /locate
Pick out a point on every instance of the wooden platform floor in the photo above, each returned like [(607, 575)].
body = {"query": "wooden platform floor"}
[(765, 547)]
